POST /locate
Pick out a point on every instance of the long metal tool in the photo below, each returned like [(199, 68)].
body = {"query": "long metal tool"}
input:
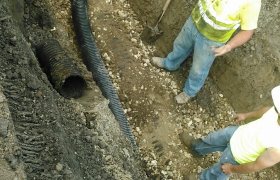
[(151, 34)]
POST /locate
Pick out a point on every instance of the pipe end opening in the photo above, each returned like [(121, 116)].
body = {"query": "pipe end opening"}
[(73, 87)]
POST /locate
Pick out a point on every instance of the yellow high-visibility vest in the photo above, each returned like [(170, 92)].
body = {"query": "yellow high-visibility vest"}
[(217, 20), (249, 141)]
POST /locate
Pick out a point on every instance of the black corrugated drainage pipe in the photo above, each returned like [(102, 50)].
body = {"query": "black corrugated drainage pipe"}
[(60, 69), (95, 64)]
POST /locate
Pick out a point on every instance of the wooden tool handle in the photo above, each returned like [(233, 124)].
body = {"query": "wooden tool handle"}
[(163, 10), (166, 5)]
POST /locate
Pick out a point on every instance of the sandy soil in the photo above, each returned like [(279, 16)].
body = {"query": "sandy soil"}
[(52, 133)]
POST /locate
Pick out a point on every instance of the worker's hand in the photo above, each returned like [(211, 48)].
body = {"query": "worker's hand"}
[(227, 168), (240, 117), (219, 51)]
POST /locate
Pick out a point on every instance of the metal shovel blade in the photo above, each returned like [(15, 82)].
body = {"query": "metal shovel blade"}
[(151, 34)]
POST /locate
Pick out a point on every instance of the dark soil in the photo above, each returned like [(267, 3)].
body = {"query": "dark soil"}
[(55, 138)]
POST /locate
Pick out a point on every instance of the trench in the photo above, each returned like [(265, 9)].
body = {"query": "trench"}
[(236, 74), (76, 139), (149, 92)]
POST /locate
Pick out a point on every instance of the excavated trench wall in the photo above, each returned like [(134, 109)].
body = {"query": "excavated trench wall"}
[(245, 75), (42, 135)]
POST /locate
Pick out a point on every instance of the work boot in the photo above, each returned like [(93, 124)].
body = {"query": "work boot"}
[(182, 98), (158, 62), (189, 142)]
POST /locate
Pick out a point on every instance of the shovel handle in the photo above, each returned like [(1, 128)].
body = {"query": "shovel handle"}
[(166, 5), (163, 10)]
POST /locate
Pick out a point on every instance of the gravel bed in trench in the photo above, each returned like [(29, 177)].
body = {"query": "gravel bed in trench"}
[(147, 96)]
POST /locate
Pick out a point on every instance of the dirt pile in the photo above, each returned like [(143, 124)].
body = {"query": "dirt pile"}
[(53, 137)]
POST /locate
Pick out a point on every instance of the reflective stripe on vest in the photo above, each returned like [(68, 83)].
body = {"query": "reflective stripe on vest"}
[(210, 24)]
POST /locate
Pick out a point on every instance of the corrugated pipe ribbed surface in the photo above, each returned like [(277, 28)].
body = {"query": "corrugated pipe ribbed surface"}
[(60, 69), (94, 63)]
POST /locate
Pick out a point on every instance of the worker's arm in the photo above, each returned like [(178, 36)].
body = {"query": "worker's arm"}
[(239, 39), (251, 115), (267, 159)]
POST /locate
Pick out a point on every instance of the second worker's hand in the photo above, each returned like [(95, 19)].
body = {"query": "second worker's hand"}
[(227, 168), (240, 117), (219, 51)]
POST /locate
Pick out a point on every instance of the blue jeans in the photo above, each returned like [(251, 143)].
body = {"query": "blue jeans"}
[(190, 40), (217, 141)]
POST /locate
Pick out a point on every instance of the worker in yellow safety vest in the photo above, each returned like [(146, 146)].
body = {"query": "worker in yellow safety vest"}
[(208, 34), (245, 149)]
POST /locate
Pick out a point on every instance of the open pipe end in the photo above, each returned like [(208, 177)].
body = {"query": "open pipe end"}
[(73, 87)]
